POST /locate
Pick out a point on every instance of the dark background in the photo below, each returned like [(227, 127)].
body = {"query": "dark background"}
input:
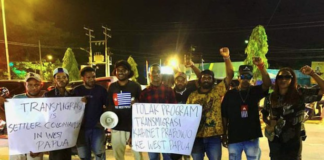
[(155, 29)]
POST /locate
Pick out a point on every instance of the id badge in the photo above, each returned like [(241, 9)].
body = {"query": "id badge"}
[(244, 111)]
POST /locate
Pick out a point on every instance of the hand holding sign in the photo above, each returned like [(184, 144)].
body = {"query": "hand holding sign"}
[(43, 124)]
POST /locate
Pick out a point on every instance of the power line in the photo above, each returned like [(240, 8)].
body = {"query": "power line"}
[(273, 13), (36, 45)]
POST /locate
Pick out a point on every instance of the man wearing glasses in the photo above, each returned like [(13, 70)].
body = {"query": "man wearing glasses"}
[(209, 96), (240, 112)]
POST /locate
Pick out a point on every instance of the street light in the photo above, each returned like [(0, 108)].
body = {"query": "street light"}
[(174, 62), (49, 57)]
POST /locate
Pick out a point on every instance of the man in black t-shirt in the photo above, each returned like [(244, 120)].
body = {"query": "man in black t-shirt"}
[(92, 134), (122, 94), (240, 112)]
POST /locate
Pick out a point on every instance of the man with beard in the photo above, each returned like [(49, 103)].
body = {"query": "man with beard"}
[(182, 91), (92, 134), (33, 85), (157, 92), (61, 79), (209, 96), (240, 112), (122, 94)]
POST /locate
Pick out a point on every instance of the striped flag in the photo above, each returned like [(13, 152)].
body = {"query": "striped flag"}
[(122, 99)]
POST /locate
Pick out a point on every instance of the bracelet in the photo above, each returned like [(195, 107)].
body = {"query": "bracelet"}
[(226, 58), (260, 66), (312, 72)]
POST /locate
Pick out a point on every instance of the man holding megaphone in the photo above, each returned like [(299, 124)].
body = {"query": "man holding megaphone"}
[(122, 94)]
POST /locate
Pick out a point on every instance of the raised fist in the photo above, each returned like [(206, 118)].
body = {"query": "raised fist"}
[(224, 52), (257, 61), (307, 70)]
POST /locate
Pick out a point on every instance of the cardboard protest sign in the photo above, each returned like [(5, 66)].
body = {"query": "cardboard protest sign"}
[(165, 128), (43, 124)]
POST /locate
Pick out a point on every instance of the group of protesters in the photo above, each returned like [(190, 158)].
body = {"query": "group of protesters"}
[(230, 115)]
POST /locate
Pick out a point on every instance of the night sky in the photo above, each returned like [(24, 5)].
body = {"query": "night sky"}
[(152, 30)]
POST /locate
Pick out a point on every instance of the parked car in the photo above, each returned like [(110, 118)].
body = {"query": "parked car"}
[(18, 86), (103, 81)]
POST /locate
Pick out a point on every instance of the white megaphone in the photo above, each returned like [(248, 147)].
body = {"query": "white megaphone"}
[(109, 119)]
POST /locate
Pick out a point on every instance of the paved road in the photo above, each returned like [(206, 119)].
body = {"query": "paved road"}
[(312, 147)]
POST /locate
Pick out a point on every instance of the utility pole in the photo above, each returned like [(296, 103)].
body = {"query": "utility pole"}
[(107, 55), (90, 36), (188, 59), (5, 37), (40, 59)]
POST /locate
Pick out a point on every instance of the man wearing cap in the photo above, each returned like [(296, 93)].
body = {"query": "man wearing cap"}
[(122, 94), (61, 80), (182, 91), (240, 112), (92, 134), (209, 96), (33, 85)]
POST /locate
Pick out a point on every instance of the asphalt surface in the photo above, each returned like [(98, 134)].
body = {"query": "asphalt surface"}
[(313, 147)]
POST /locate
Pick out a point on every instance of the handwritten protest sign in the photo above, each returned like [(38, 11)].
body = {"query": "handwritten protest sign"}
[(165, 128), (43, 124)]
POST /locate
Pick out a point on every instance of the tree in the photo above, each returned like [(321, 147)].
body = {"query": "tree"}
[(257, 47), (71, 64), (133, 64), (25, 26)]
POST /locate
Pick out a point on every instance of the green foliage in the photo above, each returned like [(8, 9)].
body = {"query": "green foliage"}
[(20, 69), (257, 47), (133, 64), (71, 64)]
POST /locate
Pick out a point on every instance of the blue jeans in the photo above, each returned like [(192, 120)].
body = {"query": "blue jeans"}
[(251, 149), (156, 156), (212, 146), (91, 140)]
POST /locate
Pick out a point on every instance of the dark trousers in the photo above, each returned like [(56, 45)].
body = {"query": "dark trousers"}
[(63, 154), (176, 156), (290, 150)]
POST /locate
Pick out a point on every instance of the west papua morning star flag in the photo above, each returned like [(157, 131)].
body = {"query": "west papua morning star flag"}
[(122, 99)]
